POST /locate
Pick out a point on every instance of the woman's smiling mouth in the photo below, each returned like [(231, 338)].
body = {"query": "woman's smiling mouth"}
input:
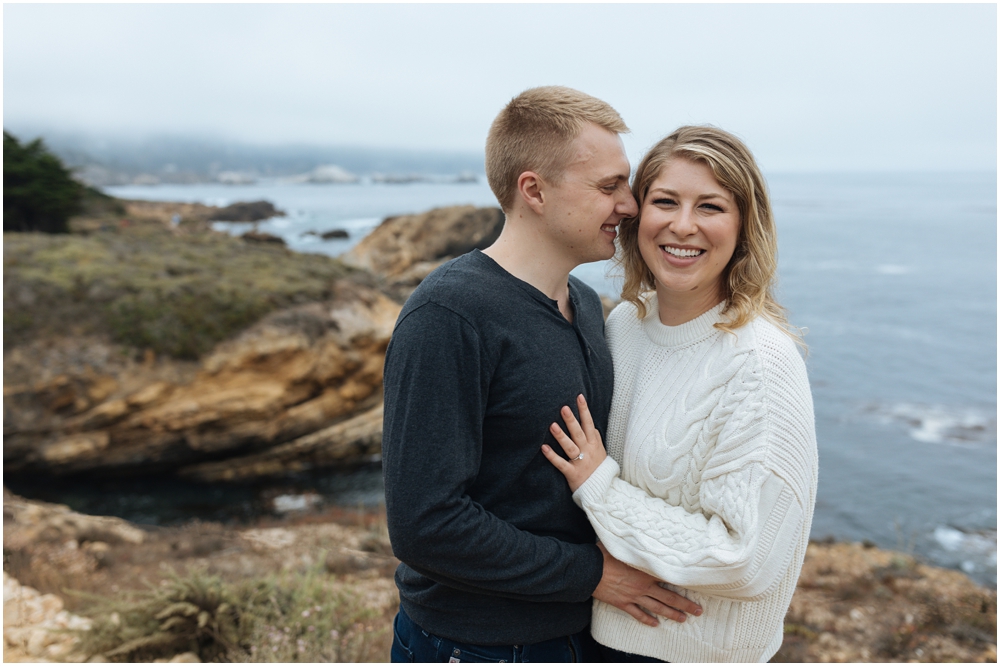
[(682, 252)]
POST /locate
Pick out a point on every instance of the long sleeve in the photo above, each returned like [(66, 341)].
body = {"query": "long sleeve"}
[(733, 528), (437, 379)]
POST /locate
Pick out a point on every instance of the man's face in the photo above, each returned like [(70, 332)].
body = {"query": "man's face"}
[(585, 207)]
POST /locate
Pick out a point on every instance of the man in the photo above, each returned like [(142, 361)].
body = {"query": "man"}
[(498, 563)]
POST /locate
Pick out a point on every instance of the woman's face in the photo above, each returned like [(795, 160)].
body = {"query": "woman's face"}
[(688, 230)]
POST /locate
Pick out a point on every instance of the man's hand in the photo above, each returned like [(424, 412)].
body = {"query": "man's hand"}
[(638, 594)]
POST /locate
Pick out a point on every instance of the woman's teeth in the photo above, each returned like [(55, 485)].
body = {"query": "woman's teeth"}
[(678, 252)]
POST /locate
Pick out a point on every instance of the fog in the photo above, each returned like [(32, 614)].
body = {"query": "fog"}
[(809, 87)]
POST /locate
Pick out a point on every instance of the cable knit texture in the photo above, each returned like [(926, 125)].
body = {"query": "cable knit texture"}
[(710, 483)]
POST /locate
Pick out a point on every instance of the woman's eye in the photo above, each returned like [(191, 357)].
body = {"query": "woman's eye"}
[(664, 202), (712, 207)]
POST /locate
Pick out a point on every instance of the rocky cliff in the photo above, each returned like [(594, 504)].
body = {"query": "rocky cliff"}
[(294, 385), (296, 372), (403, 250)]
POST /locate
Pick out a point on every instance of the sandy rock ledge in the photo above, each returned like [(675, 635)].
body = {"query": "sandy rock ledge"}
[(35, 625)]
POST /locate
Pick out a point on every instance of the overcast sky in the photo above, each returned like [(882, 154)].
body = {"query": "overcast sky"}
[(809, 87)]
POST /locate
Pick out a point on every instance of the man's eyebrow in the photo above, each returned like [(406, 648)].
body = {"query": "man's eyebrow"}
[(614, 177)]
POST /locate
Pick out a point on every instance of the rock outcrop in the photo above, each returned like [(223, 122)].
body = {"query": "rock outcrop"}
[(298, 371), (247, 211), (36, 627), (42, 521), (404, 249), (262, 237), (359, 438), (298, 390)]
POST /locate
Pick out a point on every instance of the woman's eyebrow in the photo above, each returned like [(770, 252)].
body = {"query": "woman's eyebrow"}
[(708, 195)]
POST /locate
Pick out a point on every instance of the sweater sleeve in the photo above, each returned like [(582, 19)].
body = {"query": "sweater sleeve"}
[(436, 389), (752, 497)]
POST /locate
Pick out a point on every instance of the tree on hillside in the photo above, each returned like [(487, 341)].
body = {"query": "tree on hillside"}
[(39, 193)]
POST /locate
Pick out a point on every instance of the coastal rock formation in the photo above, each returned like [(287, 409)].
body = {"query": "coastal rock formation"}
[(356, 439), (247, 211), (190, 215), (297, 390), (298, 371), (262, 237), (42, 521), (404, 249)]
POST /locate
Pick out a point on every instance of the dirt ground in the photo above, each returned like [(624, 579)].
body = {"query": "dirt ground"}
[(853, 603)]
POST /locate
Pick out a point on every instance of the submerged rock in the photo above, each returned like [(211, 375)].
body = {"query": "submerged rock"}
[(262, 237)]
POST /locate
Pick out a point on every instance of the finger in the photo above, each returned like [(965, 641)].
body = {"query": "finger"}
[(560, 463), (586, 419), (567, 444), (654, 606), (573, 426), (674, 600), (641, 615)]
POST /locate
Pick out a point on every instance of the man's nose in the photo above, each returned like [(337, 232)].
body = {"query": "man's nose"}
[(627, 205)]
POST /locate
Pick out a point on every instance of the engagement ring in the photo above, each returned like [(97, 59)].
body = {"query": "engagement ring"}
[(579, 457)]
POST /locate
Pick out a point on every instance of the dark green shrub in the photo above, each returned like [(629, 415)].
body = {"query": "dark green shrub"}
[(39, 193), (185, 322)]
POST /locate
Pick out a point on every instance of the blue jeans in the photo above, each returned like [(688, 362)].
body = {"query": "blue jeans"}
[(411, 643), (609, 655)]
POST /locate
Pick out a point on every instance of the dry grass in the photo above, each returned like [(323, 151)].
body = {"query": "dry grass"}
[(285, 617), (148, 287), (318, 587), (857, 603), (303, 589)]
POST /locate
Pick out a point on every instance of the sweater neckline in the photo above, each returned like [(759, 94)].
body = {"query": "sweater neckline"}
[(686, 333), (533, 291)]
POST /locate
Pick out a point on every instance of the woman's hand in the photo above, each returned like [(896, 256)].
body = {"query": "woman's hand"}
[(585, 450)]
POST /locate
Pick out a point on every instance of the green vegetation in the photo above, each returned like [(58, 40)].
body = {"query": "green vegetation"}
[(39, 193), (281, 618), (148, 288)]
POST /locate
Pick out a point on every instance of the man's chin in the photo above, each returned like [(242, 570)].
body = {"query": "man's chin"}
[(607, 254)]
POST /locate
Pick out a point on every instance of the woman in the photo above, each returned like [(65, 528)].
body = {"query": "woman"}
[(709, 480)]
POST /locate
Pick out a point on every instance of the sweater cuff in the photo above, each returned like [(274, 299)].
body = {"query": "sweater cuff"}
[(593, 489)]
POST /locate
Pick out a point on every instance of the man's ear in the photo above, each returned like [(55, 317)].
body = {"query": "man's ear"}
[(529, 188)]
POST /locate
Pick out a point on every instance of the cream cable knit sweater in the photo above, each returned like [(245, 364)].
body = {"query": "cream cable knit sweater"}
[(710, 482)]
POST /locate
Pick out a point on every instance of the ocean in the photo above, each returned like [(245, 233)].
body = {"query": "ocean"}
[(894, 278)]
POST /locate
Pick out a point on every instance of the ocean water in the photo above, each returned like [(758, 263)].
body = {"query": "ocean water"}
[(894, 276)]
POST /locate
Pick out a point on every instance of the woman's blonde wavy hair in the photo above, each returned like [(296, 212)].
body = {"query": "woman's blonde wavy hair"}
[(748, 280)]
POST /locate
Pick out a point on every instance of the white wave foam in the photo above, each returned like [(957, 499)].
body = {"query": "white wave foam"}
[(294, 502), (977, 550), (937, 424)]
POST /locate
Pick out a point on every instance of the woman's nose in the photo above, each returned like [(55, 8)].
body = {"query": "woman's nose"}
[(683, 224)]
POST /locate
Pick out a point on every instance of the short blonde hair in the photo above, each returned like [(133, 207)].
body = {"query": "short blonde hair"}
[(749, 278), (534, 132)]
